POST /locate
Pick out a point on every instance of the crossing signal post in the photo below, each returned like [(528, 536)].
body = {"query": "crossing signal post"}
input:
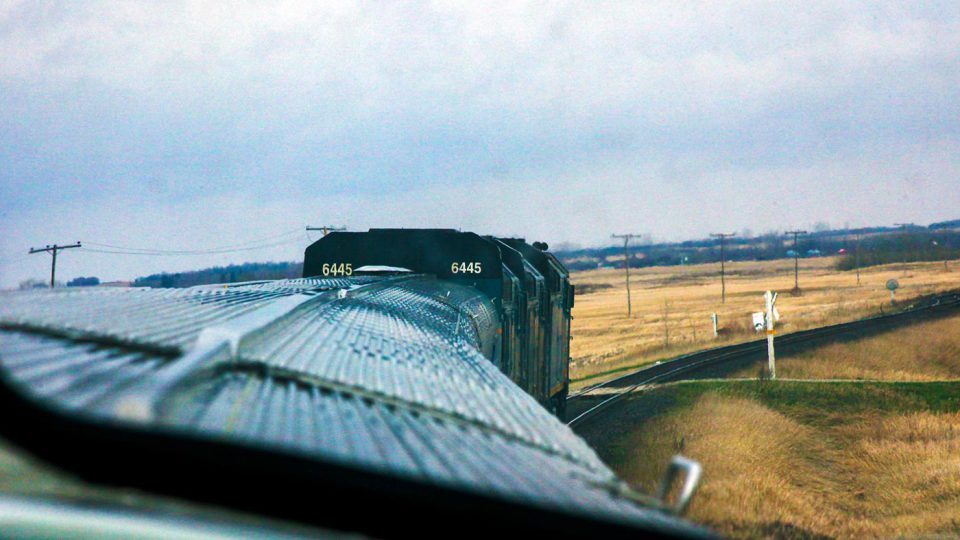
[(770, 301), (53, 251)]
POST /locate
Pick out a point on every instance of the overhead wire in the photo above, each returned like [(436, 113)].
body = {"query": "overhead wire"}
[(178, 251), (249, 245), (197, 252), (14, 259)]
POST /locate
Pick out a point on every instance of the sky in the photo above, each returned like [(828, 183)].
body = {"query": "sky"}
[(202, 126)]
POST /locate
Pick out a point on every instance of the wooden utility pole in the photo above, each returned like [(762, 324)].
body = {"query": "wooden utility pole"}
[(53, 250), (326, 229), (796, 261), (903, 243), (858, 259), (626, 263), (946, 253), (723, 283)]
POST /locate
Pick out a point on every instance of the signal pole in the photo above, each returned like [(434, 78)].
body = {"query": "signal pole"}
[(771, 315), (723, 283), (53, 250), (326, 229), (626, 263), (796, 262)]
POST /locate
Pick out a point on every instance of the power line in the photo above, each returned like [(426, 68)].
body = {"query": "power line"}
[(53, 250), (326, 229), (197, 252), (796, 262), (11, 260), (723, 282), (224, 247), (626, 262)]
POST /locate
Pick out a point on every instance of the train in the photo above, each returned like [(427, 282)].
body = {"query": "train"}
[(410, 375), (528, 292)]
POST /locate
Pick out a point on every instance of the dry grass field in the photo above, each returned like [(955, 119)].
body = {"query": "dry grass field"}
[(786, 459), (927, 351), (672, 306), (800, 459)]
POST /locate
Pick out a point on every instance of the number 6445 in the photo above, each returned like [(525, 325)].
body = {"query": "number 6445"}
[(337, 269), (466, 267)]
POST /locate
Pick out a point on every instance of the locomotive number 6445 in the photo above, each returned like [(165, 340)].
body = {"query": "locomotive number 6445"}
[(465, 267)]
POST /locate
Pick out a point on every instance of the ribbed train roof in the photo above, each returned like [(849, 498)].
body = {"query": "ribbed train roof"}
[(379, 372)]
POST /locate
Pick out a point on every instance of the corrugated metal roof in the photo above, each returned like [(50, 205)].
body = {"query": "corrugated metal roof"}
[(383, 372)]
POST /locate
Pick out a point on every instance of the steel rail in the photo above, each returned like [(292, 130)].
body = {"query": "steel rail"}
[(670, 369)]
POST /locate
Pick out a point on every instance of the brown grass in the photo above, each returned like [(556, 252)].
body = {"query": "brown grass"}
[(604, 339), (922, 352), (807, 459), (768, 474)]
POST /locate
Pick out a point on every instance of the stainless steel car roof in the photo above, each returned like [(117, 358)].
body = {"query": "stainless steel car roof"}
[(380, 372)]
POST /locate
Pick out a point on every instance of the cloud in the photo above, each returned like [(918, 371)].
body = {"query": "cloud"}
[(909, 184), (497, 116)]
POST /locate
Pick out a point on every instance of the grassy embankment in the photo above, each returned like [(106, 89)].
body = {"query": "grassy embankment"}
[(672, 306), (802, 459), (786, 458), (929, 351)]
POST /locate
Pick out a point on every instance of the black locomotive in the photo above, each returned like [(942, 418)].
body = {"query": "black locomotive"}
[(528, 289)]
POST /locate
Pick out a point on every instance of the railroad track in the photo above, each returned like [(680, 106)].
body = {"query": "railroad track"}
[(580, 403)]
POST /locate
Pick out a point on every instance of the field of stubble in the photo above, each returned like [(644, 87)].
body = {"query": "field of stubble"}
[(672, 306)]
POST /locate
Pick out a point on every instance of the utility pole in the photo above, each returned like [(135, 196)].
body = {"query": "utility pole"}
[(945, 253), (858, 259), (326, 229), (723, 283), (903, 246), (53, 250), (796, 261), (626, 263)]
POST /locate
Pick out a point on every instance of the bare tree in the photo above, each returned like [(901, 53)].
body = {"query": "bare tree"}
[(821, 226), (665, 317)]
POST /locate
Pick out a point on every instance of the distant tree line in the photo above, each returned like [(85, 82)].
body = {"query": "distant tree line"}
[(223, 274), (878, 245), (912, 246), (83, 282), (952, 224), (28, 284)]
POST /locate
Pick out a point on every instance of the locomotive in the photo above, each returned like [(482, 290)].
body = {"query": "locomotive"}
[(404, 373), (526, 290)]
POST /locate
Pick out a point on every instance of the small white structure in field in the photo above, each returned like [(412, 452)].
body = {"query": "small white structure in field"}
[(892, 286)]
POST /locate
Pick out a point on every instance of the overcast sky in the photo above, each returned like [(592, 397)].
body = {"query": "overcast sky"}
[(190, 126)]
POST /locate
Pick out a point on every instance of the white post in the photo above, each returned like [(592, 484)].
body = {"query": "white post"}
[(713, 318), (769, 299)]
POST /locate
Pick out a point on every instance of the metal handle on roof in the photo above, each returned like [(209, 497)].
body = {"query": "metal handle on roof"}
[(692, 470)]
